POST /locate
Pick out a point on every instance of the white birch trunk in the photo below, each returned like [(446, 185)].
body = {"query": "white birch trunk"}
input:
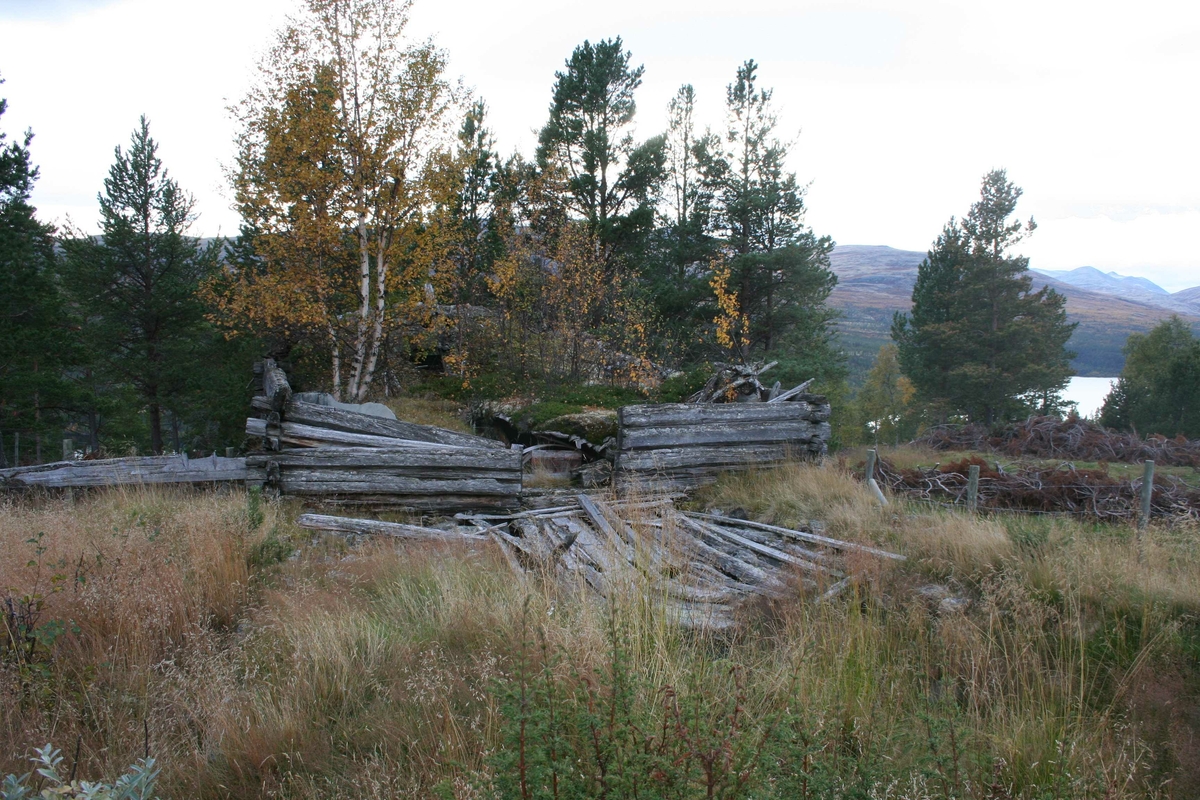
[(337, 362), (381, 270), (364, 308)]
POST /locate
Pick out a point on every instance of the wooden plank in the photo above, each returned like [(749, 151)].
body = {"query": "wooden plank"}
[(727, 562), (355, 422), (439, 503), (347, 483), (312, 436), (439, 458), (837, 544), (671, 458), (770, 552), (372, 527), (689, 414), (731, 433), (602, 524), (790, 393), (135, 470)]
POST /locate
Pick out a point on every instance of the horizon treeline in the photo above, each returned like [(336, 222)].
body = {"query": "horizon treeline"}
[(387, 247)]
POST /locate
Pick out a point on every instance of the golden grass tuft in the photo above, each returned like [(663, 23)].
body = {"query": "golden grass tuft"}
[(430, 411)]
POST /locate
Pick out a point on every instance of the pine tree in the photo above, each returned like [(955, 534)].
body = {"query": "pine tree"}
[(35, 343), (605, 177), (677, 266), (979, 341), (779, 267), (135, 285)]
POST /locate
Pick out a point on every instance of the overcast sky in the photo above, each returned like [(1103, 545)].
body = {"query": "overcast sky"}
[(898, 109)]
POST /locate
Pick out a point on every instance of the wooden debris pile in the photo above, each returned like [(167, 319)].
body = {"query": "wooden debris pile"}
[(703, 565), (343, 456), (1071, 438), (740, 383), (1063, 489)]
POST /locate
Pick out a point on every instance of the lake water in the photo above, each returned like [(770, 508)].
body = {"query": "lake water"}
[(1089, 393)]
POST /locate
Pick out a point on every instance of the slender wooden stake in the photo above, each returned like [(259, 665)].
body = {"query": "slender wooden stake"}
[(870, 464), (230, 452), (16, 448), (1144, 519), (973, 488), (68, 449)]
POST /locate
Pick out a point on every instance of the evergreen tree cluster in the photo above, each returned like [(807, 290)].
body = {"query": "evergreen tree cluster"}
[(1159, 388), (375, 238), (103, 339)]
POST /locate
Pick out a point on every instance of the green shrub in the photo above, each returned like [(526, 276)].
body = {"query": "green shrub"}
[(136, 784)]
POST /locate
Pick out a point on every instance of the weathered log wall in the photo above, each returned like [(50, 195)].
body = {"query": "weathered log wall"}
[(680, 445), (340, 456), (425, 478)]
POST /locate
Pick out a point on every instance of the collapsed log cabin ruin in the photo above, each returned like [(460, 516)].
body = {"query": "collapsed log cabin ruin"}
[(326, 453)]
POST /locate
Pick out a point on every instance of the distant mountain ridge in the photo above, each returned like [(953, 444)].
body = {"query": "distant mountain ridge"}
[(875, 281), (1111, 282)]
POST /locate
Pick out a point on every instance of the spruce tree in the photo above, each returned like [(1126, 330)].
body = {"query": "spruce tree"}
[(978, 341), (135, 286), (35, 341)]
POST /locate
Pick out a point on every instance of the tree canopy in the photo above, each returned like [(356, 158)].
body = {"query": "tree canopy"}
[(979, 342), (336, 150), (1159, 388)]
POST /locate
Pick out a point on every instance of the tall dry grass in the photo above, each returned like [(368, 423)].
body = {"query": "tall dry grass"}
[(391, 671)]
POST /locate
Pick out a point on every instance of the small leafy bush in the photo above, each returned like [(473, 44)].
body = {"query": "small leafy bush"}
[(47, 782)]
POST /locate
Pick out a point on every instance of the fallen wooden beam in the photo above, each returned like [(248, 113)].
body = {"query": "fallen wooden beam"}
[(790, 393), (770, 552), (371, 527), (336, 419), (837, 544), (167, 469)]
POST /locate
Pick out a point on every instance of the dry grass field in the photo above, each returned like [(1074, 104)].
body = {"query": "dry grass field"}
[(1014, 657)]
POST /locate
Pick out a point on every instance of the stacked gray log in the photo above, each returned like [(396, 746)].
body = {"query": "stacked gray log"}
[(341, 456), (681, 445), (176, 469)]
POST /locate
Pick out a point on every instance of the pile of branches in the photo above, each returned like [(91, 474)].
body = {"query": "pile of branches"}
[(1070, 438), (1089, 493), (741, 383)]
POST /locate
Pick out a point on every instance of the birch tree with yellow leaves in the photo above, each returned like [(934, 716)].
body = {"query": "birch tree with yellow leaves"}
[(332, 177)]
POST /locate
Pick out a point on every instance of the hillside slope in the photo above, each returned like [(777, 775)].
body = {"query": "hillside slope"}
[(876, 281)]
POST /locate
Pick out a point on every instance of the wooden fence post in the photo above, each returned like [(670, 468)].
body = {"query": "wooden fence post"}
[(1144, 519), (872, 484), (230, 452), (16, 448), (68, 449), (972, 488)]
